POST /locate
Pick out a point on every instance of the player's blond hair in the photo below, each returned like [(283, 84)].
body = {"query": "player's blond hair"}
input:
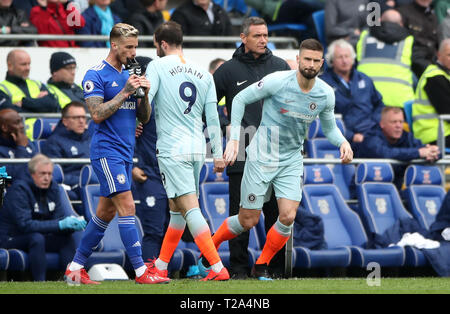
[(122, 30)]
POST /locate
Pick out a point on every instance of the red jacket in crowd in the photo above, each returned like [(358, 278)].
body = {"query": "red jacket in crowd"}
[(56, 19)]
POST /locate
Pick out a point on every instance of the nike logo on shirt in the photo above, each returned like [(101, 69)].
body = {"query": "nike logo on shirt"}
[(240, 83)]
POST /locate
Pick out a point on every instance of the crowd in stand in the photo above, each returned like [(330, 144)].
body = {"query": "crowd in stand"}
[(374, 69)]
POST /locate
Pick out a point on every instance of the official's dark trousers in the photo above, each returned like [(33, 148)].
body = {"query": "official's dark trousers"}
[(238, 246), (37, 244)]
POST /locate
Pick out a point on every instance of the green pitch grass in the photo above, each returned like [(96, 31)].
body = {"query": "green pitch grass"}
[(284, 286)]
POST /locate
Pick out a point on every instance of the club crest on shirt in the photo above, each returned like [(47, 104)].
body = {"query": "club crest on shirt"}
[(313, 106), (260, 85), (121, 178), (251, 198)]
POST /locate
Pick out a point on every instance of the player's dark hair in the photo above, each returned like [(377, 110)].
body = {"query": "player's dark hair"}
[(170, 32), (311, 44)]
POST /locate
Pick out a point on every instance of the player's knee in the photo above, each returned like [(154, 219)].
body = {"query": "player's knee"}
[(287, 218), (248, 221)]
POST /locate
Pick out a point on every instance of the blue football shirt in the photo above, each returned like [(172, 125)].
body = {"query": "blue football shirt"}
[(115, 136)]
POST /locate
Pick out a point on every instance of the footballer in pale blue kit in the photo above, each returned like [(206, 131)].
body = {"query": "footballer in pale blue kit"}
[(182, 92), (109, 91), (292, 100)]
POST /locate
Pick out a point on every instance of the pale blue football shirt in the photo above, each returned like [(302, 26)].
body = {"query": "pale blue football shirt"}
[(182, 91), (287, 115)]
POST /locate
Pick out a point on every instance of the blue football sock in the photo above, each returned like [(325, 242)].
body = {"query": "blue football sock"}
[(130, 240), (91, 238)]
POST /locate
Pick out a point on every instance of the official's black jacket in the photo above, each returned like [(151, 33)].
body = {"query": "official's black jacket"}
[(235, 75)]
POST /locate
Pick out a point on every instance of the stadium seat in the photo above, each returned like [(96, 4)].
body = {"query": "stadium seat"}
[(319, 24), (379, 201), (4, 259), (43, 127), (214, 202), (207, 174), (424, 192), (344, 231), (318, 146)]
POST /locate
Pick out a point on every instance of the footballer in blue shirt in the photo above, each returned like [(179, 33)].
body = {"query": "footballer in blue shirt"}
[(109, 91)]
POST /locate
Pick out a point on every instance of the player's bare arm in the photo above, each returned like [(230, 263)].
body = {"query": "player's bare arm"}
[(144, 109), (101, 111)]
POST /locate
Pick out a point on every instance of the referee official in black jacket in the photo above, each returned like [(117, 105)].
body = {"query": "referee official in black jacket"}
[(250, 63)]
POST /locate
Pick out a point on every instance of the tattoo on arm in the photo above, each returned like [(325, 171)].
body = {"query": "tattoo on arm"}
[(100, 110), (144, 110)]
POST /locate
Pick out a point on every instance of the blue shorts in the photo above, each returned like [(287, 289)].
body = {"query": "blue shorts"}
[(114, 175)]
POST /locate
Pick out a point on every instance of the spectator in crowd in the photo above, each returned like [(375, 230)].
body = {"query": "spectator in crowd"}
[(56, 17), (99, 21), (388, 140), (203, 18), (356, 97), (13, 142), (433, 98), (345, 19), (215, 64), (81, 5), (14, 21), (149, 19), (250, 63), (442, 9), (62, 82), (26, 94), (384, 54), (25, 5), (125, 8), (221, 109), (153, 210), (70, 139), (421, 22), (289, 11), (33, 219)]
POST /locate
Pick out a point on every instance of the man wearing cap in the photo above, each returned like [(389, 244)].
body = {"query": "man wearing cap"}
[(26, 94), (61, 84)]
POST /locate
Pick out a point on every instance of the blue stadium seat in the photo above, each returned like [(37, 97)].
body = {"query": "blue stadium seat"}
[(207, 174), (319, 24), (43, 127), (379, 201), (214, 202), (424, 192), (344, 231), (111, 249), (318, 146), (4, 259)]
